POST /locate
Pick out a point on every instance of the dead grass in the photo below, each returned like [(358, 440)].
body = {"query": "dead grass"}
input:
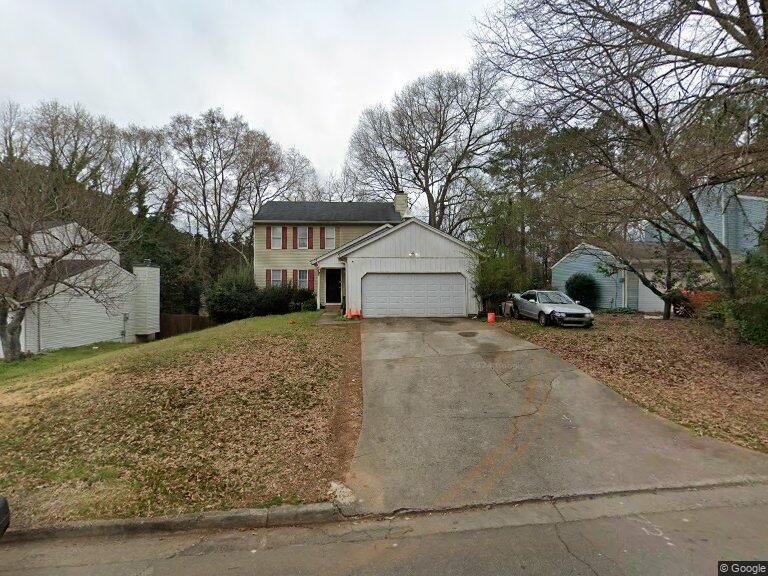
[(246, 414), (684, 370)]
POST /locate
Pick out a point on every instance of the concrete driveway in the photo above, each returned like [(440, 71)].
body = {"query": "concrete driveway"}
[(457, 412)]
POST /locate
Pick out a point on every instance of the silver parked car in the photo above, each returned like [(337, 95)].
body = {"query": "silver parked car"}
[(549, 307)]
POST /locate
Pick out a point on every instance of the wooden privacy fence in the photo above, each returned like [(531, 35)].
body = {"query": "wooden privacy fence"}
[(173, 324)]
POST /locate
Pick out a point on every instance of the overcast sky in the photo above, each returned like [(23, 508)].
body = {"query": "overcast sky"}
[(301, 71)]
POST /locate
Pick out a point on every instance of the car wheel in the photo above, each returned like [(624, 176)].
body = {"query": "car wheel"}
[(515, 313), (543, 319)]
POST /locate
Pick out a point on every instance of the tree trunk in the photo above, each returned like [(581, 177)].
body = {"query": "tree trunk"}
[(762, 242), (667, 310), (10, 334), (669, 284), (432, 211), (215, 261), (523, 248)]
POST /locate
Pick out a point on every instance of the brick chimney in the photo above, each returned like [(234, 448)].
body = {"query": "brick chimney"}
[(401, 203)]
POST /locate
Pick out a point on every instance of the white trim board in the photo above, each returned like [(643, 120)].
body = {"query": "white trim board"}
[(349, 244), (411, 221)]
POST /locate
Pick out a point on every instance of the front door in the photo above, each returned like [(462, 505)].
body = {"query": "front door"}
[(333, 285)]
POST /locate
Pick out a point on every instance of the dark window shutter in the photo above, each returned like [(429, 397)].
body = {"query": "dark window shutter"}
[(322, 237), (295, 237), (309, 237), (296, 278), (285, 237), (269, 276), (269, 239), (311, 280), (284, 280)]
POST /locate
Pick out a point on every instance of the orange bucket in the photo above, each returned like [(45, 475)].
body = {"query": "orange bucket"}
[(491, 317)]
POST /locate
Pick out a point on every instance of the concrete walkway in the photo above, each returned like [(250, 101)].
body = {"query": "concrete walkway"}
[(330, 316), (457, 412)]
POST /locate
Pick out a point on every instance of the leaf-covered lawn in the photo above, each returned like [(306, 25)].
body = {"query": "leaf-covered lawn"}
[(684, 370), (10, 371), (239, 415)]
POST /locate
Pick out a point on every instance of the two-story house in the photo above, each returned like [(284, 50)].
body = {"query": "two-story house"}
[(369, 256), (734, 220)]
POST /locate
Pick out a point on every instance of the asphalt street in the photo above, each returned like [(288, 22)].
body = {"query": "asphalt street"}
[(662, 533)]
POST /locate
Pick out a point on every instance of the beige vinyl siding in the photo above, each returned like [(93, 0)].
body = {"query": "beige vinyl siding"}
[(297, 259)]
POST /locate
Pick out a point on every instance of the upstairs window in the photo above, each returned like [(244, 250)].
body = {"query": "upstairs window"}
[(303, 279), (303, 242), (277, 237), (330, 237)]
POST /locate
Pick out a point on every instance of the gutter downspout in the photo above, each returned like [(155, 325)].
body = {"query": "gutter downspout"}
[(39, 330), (624, 291)]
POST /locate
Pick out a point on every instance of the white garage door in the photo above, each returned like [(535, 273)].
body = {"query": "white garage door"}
[(414, 295)]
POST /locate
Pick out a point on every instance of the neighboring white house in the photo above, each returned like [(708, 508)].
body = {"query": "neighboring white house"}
[(408, 269), (69, 318)]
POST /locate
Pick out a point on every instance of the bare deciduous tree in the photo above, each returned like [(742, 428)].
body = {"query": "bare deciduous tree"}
[(88, 150), (429, 141), (280, 175), (645, 118), (213, 159), (15, 132), (726, 35), (341, 187), (220, 171), (73, 141)]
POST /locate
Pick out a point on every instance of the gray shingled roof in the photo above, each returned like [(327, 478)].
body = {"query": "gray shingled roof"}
[(291, 212)]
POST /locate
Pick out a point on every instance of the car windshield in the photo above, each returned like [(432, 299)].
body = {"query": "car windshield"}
[(554, 298)]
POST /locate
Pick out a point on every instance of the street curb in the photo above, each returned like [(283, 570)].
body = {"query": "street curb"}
[(321, 513), (286, 515)]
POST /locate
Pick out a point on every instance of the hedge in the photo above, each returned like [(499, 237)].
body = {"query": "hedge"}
[(584, 288), (235, 296)]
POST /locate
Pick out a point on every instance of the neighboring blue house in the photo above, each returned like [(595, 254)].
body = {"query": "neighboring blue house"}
[(622, 289), (735, 223)]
